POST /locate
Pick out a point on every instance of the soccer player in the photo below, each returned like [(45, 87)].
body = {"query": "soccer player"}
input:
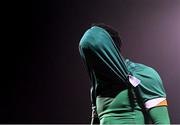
[(122, 92)]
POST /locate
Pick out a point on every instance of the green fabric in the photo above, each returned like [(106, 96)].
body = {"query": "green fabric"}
[(108, 74), (122, 109), (159, 115), (112, 94), (151, 85), (135, 117), (97, 44), (104, 63)]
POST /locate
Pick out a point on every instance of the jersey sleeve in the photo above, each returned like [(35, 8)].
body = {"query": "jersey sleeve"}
[(151, 89), (153, 95)]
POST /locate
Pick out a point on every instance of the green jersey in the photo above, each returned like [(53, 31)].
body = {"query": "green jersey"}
[(150, 92), (151, 86), (119, 87)]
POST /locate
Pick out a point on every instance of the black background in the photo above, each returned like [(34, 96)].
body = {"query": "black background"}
[(52, 85)]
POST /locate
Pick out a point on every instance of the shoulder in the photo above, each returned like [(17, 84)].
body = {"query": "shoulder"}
[(143, 71)]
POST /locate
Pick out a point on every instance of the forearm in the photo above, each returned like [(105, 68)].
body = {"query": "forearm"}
[(94, 118)]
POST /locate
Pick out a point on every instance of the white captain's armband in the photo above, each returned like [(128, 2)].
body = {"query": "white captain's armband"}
[(156, 102)]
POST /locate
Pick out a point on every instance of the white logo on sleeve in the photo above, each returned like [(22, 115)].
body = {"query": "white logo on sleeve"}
[(134, 81)]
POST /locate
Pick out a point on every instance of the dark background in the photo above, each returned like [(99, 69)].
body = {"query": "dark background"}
[(52, 85)]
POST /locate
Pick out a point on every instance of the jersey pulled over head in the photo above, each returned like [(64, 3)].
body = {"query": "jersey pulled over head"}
[(107, 67), (102, 54), (112, 78)]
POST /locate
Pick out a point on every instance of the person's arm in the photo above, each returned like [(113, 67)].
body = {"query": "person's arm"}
[(158, 111), (94, 118), (153, 95)]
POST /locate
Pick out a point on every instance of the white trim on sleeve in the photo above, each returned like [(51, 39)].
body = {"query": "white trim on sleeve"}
[(153, 102)]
